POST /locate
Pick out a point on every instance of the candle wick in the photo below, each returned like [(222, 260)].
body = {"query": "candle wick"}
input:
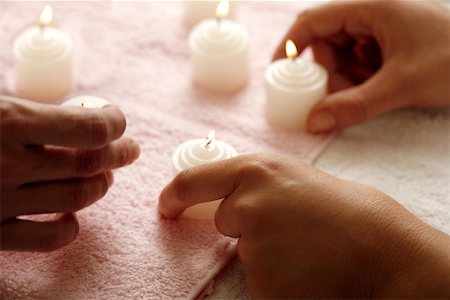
[(219, 22), (208, 142), (42, 27)]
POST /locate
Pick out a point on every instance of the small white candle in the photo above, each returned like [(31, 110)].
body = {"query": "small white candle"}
[(196, 11), (43, 61), (87, 102), (293, 87), (195, 153), (219, 53)]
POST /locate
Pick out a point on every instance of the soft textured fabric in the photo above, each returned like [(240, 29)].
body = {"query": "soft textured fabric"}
[(136, 55), (404, 154)]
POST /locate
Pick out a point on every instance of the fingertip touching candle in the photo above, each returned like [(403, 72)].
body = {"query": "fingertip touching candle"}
[(43, 61), (196, 11), (195, 153), (219, 53), (293, 87)]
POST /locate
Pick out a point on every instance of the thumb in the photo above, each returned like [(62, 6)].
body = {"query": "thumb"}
[(356, 104)]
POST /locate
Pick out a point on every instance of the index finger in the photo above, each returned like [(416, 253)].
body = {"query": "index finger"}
[(43, 124), (328, 21), (200, 184)]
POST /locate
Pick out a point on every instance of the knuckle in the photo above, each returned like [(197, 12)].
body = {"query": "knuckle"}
[(89, 162), (259, 166), (304, 19), (252, 169), (303, 14), (78, 197), (182, 185)]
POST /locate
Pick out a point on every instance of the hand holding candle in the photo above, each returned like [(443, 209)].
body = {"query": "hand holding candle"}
[(43, 61), (379, 59), (195, 153), (55, 159), (219, 53)]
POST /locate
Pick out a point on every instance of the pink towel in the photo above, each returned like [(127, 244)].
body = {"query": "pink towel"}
[(136, 55)]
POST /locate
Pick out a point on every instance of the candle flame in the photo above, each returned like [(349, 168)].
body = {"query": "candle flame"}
[(46, 16), (291, 49), (211, 135), (222, 9)]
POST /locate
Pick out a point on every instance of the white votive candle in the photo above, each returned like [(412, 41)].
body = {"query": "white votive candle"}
[(43, 61), (219, 53), (195, 153), (196, 11), (87, 102), (293, 87)]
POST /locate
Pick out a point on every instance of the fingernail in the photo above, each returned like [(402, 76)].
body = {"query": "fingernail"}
[(58, 216), (135, 151), (109, 178), (322, 121)]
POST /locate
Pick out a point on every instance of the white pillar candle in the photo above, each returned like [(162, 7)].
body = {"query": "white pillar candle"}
[(195, 153), (196, 11), (87, 102), (219, 53), (293, 87), (43, 61)]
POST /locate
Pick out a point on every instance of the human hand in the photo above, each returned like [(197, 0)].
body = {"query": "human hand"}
[(304, 233), (55, 159), (380, 55)]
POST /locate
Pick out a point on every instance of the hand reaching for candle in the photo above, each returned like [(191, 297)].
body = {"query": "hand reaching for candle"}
[(380, 55), (304, 233), (55, 160)]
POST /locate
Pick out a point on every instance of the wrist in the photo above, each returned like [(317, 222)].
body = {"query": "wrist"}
[(396, 255), (423, 266)]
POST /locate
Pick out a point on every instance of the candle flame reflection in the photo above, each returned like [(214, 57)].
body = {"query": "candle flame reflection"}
[(45, 19), (291, 49), (222, 9)]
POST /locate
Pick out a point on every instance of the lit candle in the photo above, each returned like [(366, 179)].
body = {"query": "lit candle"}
[(198, 152), (219, 52), (43, 61), (196, 11), (293, 87), (87, 102)]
